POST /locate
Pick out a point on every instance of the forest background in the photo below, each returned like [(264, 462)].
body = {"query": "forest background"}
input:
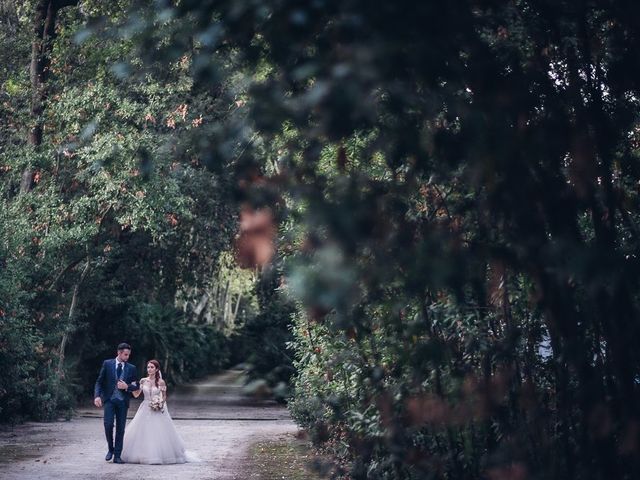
[(418, 218)]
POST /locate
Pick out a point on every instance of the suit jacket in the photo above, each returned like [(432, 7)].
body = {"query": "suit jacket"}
[(107, 381)]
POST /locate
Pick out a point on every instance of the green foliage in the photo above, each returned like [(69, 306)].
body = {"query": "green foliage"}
[(185, 351), (456, 186), (263, 339), (121, 219), (456, 183)]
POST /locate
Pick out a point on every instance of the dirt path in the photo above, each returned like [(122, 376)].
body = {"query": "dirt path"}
[(214, 419)]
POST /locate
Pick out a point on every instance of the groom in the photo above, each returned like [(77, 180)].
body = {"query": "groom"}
[(116, 381)]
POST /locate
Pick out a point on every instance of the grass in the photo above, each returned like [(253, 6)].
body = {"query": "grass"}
[(14, 452), (288, 459)]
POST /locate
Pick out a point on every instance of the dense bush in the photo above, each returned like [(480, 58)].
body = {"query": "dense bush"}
[(461, 182)]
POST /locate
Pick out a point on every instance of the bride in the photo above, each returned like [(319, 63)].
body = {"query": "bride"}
[(151, 437)]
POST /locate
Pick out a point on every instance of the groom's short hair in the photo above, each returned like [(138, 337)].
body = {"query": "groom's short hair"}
[(124, 346)]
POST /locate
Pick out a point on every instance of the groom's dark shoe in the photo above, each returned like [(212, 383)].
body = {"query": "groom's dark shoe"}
[(117, 460), (108, 456)]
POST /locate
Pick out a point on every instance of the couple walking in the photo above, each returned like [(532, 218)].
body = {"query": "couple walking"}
[(151, 437)]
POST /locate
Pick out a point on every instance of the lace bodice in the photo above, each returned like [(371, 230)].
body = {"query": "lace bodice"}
[(149, 389)]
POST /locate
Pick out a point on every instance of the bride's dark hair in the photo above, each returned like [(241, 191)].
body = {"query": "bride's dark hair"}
[(156, 364)]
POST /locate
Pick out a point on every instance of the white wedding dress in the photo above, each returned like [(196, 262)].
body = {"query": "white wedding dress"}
[(151, 437)]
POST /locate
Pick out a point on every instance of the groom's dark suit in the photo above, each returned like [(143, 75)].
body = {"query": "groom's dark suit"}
[(114, 401)]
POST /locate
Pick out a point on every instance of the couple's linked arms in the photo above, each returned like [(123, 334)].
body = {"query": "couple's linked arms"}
[(136, 393), (161, 384), (97, 390)]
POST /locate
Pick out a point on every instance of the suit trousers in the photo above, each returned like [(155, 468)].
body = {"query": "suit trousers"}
[(115, 409)]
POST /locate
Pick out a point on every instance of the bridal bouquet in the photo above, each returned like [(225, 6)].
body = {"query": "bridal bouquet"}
[(157, 404)]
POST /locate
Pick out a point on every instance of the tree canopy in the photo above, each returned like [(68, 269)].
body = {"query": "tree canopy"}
[(455, 191)]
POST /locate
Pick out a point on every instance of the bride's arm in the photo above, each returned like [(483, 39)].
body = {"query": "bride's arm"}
[(136, 393), (163, 389)]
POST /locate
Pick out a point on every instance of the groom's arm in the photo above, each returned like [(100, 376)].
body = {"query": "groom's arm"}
[(132, 387), (134, 384), (97, 390)]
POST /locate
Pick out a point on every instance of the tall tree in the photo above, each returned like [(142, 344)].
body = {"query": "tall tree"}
[(43, 35)]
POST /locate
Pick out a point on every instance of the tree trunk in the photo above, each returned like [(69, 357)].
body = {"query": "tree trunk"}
[(204, 300), (44, 25), (69, 329), (225, 304), (237, 307)]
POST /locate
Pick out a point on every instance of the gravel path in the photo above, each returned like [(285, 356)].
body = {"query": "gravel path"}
[(214, 419)]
